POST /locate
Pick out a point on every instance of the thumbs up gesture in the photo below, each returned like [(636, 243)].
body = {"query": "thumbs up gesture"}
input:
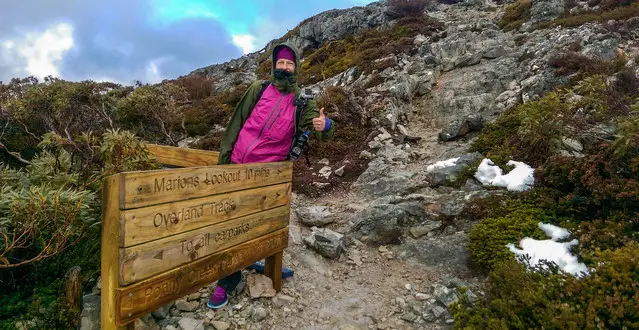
[(319, 123)]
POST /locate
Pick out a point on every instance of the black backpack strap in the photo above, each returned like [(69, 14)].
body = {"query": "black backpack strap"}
[(265, 84)]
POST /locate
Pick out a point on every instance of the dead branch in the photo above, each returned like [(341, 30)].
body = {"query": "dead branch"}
[(14, 154)]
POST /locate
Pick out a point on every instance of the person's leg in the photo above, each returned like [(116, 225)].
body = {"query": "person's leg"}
[(220, 298), (230, 282)]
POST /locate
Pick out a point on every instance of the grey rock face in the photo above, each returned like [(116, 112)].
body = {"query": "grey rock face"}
[(546, 10), (398, 183), (606, 49), (337, 24)]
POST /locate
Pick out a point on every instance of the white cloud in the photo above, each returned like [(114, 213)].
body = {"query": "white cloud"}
[(38, 53), (153, 72), (266, 30), (244, 41)]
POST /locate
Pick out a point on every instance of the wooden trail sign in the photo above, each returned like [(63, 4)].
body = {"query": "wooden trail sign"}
[(167, 233), (140, 298), (183, 157)]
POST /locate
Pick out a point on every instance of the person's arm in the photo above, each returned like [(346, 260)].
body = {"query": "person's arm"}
[(307, 122), (240, 114)]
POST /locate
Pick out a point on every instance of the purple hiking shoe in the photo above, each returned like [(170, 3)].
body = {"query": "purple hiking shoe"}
[(219, 298)]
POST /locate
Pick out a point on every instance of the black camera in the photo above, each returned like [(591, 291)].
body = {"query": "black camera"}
[(299, 144), (300, 140)]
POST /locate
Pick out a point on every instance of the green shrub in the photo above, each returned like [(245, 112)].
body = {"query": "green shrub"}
[(32, 108), (608, 182), (515, 15), (487, 241), (611, 233), (49, 215), (515, 299), (197, 86), (495, 140), (155, 113), (524, 133), (607, 299), (544, 297), (628, 136)]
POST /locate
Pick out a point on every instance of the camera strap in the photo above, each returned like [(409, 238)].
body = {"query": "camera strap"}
[(300, 106)]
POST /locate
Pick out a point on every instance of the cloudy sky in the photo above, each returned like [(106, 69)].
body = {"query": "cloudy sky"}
[(147, 40)]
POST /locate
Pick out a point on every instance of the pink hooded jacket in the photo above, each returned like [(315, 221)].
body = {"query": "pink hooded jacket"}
[(268, 132)]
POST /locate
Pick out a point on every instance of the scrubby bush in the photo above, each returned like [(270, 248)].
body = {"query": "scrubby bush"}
[(515, 299), (487, 241), (155, 111), (609, 10), (515, 15), (403, 8), (524, 133), (603, 181), (543, 297), (29, 109), (197, 86), (571, 62), (49, 216)]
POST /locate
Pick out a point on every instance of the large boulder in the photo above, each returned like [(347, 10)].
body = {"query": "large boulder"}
[(318, 216), (326, 242), (379, 224)]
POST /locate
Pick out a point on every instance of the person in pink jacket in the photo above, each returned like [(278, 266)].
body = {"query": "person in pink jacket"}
[(263, 127)]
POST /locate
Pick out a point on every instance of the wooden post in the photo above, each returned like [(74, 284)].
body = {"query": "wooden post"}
[(273, 269), (109, 250), (74, 289)]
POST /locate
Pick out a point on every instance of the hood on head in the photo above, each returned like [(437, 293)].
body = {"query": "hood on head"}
[(291, 47)]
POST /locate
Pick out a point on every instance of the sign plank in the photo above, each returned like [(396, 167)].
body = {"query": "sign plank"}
[(148, 259), (154, 222), (143, 297), (146, 188), (183, 156)]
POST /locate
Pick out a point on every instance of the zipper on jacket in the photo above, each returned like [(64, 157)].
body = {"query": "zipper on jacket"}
[(262, 129), (275, 119)]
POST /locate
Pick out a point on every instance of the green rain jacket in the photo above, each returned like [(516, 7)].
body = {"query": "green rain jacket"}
[(248, 101)]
